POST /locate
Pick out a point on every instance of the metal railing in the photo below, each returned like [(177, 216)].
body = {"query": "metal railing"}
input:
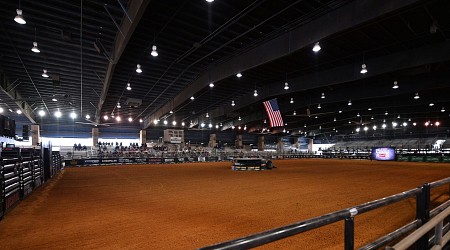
[(422, 197)]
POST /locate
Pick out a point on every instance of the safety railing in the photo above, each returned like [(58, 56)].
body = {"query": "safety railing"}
[(422, 197)]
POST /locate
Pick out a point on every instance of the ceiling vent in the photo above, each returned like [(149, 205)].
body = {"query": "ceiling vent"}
[(133, 102)]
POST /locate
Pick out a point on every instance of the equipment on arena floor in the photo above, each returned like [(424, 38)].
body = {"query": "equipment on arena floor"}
[(249, 164)]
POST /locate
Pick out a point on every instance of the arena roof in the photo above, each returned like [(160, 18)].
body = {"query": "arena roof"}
[(90, 50)]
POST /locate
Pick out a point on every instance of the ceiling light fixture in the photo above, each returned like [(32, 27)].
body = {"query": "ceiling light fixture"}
[(232, 103), (128, 86), (349, 103), (207, 115), (416, 96), (138, 68), (19, 111), (316, 47), (118, 118), (395, 85), (44, 74), (171, 112), (442, 109), (431, 104), (322, 96), (386, 113), (154, 52), (183, 124), (202, 124), (73, 115), (286, 85), (140, 120), (211, 85), (210, 125), (130, 119), (41, 113), (165, 122), (54, 99), (174, 123), (295, 113), (192, 98), (363, 68), (239, 75), (35, 48), (118, 105), (292, 100), (318, 106), (209, 1), (239, 118), (19, 18), (58, 114), (1, 110), (88, 116), (105, 117), (255, 93)]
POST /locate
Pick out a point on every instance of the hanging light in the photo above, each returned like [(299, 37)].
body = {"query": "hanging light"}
[(374, 127), (232, 103), (239, 118), (118, 118), (207, 115), (44, 74), (154, 52), (319, 106), (1, 110), (118, 105), (405, 124), (174, 123), (239, 75), (41, 113), (292, 100), (19, 17), (431, 104), (340, 111), (295, 113), (386, 113), (322, 96), (105, 117), (155, 121), (128, 86), (371, 118), (217, 126), (171, 112), (437, 123), (73, 115), (130, 119), (202, 124), (334, 119), (211, 85), (369, 109), (35, 48), (395, 85), (316, 47), (183, 124), (265, 121), (286, 85), (384, 125), (54, 99), (192, 98), (358, 115), (140, 120), (209, 1), (255, 93), (58, 114), (165, 122), (416, 96), (363, 68), (210, 125), (138, 68), (349, 103), (442, 109)]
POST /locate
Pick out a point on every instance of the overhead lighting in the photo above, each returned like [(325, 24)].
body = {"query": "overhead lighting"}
[(232, 103), (414, 124), (386, 113), (165, 122), (210, 125), (239, 118), (363, 68), (366, 128), (374, 127), (202, 125), (239, 75), (54, 99), (316, 47), (442, 109), (437, 123), (140, 120), (369, 109), (217, 126), (405, 124), (255, 93), (239, 127), (409, 119), (154, 52), (340, 111), (334, 119), (211, 85), (322, 96), (209, 1), (73, 115), (431, 104), (58, 114), (427, 124), (118, 118), (35, 48), (105, 117), (292, 100), (265, 121), (118, 105), (357, 130), (349, 103), (174, 123), (1, 110), (295, 113), (130, 119), (128, 86), (155, 121), (371, 118), (19, 18), (395, 85), (19, 112), (358, 115), (349, 122), (207, 115), (318, 106), (394, 124), (384, 125), (192, 98), (88, 116), (286, 85), (44, 74), (398, 116), (416, 96), (171, 112), (138, 68)]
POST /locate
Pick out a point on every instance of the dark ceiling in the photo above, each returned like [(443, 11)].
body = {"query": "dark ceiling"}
[(270, 42)]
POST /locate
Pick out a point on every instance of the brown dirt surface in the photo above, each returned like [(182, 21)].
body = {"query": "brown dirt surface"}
[(187, 206)]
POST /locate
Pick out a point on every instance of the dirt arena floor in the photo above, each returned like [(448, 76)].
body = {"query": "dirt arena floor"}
[(187, 206)]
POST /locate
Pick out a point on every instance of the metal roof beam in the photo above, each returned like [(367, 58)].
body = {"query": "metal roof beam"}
[(344, 18), (136, 9), (9, 89)]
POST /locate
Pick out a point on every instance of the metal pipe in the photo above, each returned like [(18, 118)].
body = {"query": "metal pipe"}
[(125, 11), (377, 244)]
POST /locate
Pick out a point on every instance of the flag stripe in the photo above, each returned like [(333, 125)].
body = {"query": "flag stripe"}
[(273, 113)]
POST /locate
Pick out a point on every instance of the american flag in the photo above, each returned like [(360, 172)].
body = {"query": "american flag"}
[(273, 111)]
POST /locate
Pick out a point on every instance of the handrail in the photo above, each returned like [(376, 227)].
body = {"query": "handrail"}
[(262, 238), (440, 183), (416, 235)]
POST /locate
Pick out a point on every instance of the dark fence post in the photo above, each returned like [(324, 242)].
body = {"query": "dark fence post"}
[(349, 235), (423, 213)]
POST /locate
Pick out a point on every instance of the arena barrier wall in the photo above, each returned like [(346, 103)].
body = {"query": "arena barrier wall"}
[(132, 160), (423, 214)]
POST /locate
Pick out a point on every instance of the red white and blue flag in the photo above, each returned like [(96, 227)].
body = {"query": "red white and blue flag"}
[(273, 111)]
